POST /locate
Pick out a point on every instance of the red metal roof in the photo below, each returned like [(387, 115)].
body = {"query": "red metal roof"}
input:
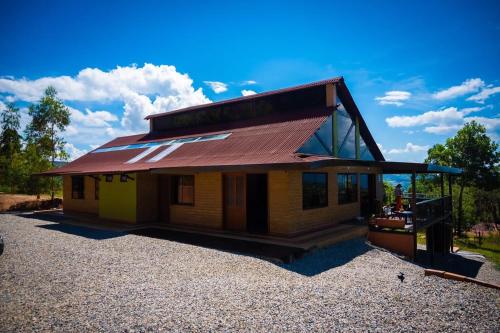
[(271, 139), (250, 97)]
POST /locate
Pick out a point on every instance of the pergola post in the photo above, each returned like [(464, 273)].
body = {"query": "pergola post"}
[(443, 222), (414, 212), (450, 194)]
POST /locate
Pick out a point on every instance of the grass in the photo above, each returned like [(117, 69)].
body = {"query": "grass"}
[(489, 247)]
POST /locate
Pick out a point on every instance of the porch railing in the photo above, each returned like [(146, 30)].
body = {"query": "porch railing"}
[(431, 211)]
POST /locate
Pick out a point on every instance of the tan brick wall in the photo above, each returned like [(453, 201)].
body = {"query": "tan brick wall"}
[(290, 218), (207, 208), (86, 205), (279, 202)]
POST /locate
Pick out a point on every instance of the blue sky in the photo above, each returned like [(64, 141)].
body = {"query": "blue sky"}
[(417, 70)]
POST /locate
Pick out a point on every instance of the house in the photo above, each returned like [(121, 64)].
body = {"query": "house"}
[(282, 163)]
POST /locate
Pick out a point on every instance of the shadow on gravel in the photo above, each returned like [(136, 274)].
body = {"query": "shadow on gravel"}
[(283, 253), (324, 259), (96, 234), (467, 264)]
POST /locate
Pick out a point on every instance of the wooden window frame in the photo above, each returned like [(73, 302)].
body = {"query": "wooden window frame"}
[(306, 206), (177, 181), (97, 188), (80, 192), (352, 198)]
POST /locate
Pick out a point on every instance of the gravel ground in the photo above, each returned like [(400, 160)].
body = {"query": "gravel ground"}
[(56, 281)]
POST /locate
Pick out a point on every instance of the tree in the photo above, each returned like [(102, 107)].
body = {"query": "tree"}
[(44, 141), (476, 154), (10, 145)]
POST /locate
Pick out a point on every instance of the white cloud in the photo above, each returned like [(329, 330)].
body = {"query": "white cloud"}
[(143, 90), (382, 149), (246, 92), (466, 87), (394, 97), (484, 94), (442, 129), (92, 118), (410, 148), (451, 114), (216, 86), (248, 82), (73, 151), (491, 124)]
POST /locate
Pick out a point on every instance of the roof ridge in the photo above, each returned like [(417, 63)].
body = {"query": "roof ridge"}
[(250, 97)]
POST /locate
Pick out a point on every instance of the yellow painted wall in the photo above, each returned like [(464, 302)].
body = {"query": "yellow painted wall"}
[(86, 205), (118, 201), (207, 208)]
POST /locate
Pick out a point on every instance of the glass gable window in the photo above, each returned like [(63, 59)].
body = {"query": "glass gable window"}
[(320, 143), (364, 151), (347, 188), (346, 129), (314, 190)]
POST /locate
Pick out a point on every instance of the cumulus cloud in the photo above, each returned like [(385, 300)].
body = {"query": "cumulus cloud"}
[(73, 151), (92, 118), (216, 86), (409, 148), (248, 82), (466, 87), (484, 94), (143, 90), (395, 97), (431, 117), (246, 92)]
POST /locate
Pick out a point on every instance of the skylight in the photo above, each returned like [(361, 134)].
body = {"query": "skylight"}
[(165, 142)]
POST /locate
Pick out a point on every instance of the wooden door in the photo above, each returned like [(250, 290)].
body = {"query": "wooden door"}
[(164, 198), (235, 201)]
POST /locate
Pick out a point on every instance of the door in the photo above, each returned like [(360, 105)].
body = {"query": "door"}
[(367, 193), (235, 201), (257, 203)]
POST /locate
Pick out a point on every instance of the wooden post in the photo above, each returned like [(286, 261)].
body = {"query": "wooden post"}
[(443, 222), (331, 101), (450, 193), (356, 140), (414, 213)]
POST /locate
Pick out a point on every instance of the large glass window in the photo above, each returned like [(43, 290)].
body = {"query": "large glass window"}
[(183, 190), (346, 129), (347, 187), (314, 190), (320, 143), (77, 187), (364, 151)]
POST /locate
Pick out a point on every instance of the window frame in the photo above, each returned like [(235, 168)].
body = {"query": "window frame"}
[(81, 192), (176, 181), (340, 197), (312, 206)]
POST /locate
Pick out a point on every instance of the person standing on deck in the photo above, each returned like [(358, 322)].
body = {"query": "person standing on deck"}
[(398, 193)]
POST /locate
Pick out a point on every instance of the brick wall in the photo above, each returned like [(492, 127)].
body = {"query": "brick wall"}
[(207, 208), (88, 204)]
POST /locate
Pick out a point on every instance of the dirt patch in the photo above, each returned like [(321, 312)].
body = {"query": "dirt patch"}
[(22, 202)]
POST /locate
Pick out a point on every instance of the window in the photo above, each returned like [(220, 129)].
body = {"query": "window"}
[(77, 189), (347, 187), (314, 190), (183, 190), (96, 188), (109, 178)]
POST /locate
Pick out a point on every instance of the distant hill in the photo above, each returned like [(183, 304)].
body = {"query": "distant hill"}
[(404, 180)]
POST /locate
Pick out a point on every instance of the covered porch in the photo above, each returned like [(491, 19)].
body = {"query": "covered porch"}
[(430, 213)]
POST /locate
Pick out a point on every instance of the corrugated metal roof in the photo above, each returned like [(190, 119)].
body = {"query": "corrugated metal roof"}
[(271, 139), (250, 97)]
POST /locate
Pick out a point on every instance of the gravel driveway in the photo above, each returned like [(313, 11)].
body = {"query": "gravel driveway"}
[(105, 281)]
